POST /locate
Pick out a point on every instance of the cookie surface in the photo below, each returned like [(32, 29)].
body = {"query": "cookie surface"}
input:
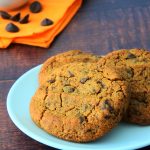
[(139, 107), (135, 67), (64, 58), (80, 102)]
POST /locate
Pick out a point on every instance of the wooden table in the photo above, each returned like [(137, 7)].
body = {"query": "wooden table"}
[(100, 26)]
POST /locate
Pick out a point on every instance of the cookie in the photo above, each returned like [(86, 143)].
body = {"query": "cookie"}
[(80, 102), (64, 58), (139, 107), (134, 65)]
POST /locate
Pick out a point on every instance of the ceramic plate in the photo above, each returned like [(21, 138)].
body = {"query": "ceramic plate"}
[(123, 137)]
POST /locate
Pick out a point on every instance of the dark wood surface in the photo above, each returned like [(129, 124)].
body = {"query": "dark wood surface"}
[(100, 26)]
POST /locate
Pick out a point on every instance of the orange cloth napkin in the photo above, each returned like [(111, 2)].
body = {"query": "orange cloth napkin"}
[(32, 33)]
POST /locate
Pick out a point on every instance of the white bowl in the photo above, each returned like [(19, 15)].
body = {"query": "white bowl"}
[(11, 4)]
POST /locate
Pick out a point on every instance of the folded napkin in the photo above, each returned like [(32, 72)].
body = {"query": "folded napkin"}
[(32, 33)]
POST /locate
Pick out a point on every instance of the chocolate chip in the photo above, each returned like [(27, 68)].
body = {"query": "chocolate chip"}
[(107, 117), (70, 74), (25, 19), (130, 56), (83, 80), (51, 81), (102, 84), (46, 22), (82, 119), (16, 17), (35, 7), (107, 105), (89, 130), (93, 91), (130, 72), (68, 89), (11, 28), (5, 15), (86, 59)]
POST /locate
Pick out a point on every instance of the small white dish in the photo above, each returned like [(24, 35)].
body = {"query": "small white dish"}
[(124, 137), (11, 4)]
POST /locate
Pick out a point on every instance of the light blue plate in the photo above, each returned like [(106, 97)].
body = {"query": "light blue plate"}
[(123, 137)]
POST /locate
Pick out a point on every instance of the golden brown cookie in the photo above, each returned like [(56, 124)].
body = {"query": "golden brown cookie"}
[(80, 102), (64, 58), (134, 65), (126, 57)]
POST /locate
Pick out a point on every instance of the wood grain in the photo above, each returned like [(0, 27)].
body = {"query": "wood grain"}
[(100, 26)]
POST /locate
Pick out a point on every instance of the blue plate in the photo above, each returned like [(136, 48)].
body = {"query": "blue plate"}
[(123, 137)]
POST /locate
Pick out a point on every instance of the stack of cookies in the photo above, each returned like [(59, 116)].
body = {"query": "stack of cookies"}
[(82, 96)]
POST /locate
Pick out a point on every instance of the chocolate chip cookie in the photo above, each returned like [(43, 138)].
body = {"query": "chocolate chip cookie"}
[(134, 64), (80, 102), (64, 58)]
